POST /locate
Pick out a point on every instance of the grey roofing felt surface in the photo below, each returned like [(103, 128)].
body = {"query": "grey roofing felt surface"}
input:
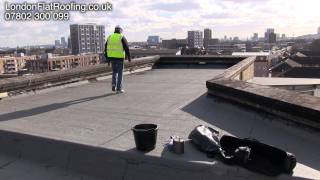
[(175, 99)]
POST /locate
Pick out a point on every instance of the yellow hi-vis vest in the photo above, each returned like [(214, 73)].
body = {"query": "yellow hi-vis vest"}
[(114, 46)]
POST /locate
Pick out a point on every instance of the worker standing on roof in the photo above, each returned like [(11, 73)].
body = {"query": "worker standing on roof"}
[(116, 51)]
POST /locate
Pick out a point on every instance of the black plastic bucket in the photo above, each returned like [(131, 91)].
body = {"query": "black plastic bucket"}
[(145, 136)]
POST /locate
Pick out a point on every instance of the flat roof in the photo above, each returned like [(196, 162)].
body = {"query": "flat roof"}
[(175, 99)]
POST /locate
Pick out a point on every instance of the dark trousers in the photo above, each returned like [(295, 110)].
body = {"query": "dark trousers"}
[(117, 71)]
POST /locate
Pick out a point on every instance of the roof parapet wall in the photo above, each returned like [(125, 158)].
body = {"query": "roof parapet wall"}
[(298, 108), (49, 79)]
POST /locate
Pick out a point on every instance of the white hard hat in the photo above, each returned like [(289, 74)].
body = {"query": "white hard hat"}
[(118, 27)]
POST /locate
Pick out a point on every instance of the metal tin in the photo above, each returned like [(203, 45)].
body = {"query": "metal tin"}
[(178, 145)]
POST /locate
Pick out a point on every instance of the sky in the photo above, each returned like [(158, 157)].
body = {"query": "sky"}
[(172, 19)]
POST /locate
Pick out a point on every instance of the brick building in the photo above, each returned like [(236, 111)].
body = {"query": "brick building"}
[(73, 61), (56, 63), (12, 65), (1, 66)]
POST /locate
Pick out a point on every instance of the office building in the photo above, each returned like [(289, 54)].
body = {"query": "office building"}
[(181, 43), (225, 48), (255, 37), (270, 30), (153, 40), (57, 43), (270, 36), (195, 39), (174, 43), (87, 38), (236, 39), (213, 41), (207, 37), (63, 42), (69, 42)]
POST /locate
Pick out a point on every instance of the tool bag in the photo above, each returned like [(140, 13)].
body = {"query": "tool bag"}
[(256, 156), (206, 140)]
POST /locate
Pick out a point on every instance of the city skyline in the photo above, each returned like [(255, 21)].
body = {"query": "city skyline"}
[(141, 18)]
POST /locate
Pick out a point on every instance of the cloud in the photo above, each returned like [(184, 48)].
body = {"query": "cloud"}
[(247, 1), (222, 15), (176, 6), (173, 19)]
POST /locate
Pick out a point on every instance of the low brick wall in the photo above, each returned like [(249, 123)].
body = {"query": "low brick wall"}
[(298, 108), (49, 79)]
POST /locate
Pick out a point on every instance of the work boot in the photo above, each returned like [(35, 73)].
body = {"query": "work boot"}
[(120, 91), (113, 88)]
